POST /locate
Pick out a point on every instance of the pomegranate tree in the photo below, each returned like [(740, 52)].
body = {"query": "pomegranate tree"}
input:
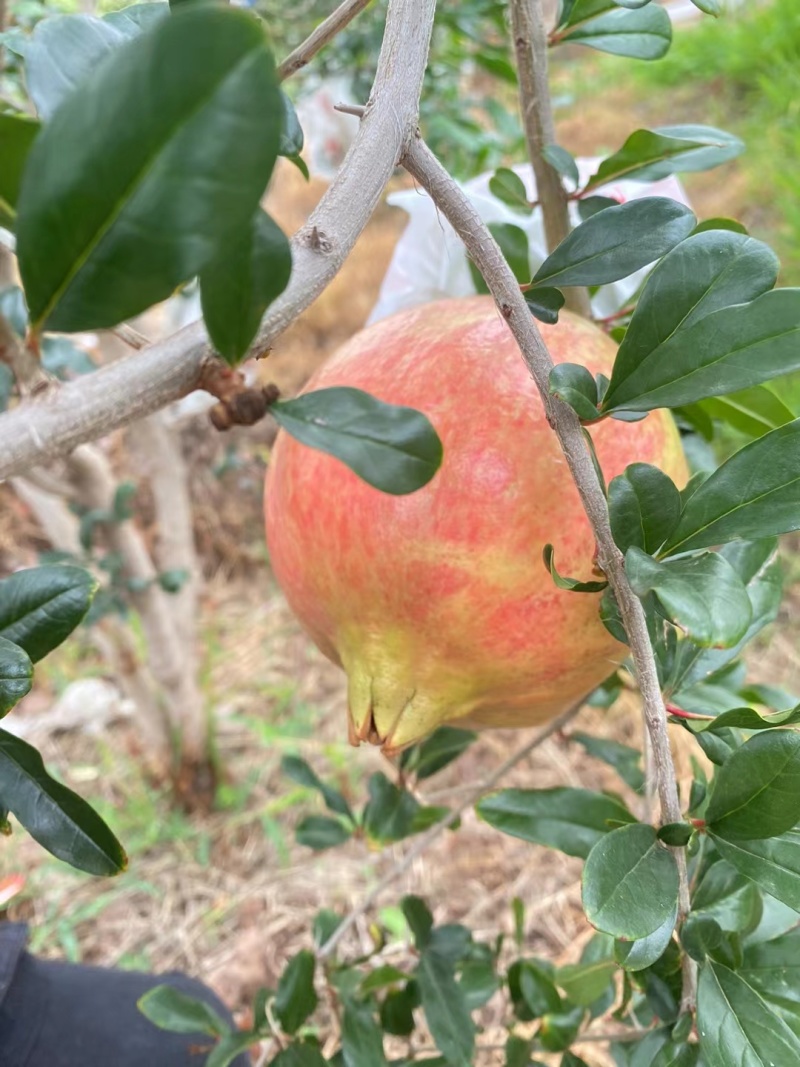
[(437, 604)]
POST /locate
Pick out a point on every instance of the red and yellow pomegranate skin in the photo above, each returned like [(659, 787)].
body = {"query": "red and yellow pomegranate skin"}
[(437, 604)]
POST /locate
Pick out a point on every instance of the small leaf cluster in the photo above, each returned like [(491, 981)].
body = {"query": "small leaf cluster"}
[(39, 609)]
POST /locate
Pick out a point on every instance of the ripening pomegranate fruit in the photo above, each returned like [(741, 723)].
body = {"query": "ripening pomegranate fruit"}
[(437, 604)]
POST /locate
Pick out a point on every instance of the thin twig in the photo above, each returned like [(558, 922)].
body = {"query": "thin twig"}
[(426, 839), (530, 47), (484, 252), (325, 32), (131, 336)]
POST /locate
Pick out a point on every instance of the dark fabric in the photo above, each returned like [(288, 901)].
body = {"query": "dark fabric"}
[(55, 1014)]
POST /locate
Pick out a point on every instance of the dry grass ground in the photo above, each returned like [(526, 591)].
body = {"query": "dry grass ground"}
[(229, 896)]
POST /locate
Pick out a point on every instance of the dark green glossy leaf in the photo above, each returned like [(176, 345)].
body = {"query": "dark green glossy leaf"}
[(585, 982), (383, 976), (773, 863), (17, 134), (394, 449), (703, 274), (649, 155), (737, 1026), (709, 7), (296, 998), (559, 1030), (362, 1041), (241, 282), (728, 897), (644, 506), (676, 1054), (452, 941), (291, 143), (60, 820), (590, 205), (576, 386), (562, 161), (625, 760), (479, 983), (16, 675), (445, 1007), (389, 814), (703, 595), (616, 242), (229, 1047), (513, 242), (300, 771), (319, 832), (518, 1052), (169, 1009), (545, 304), (326, 923), (642, 953), (572, 584), (753, 411), (436, 752), (64, 50), (720, 224), (419, 919), (569, 1059), (397, 1011), (773, 970), (299, 1055), (640, 34), (140, 177), (675, 834), (40, 607), (700, 936), (510, 189), (754, 494), (744, 719), (572, 820), (533, 992), (630, 883), (757, 792)]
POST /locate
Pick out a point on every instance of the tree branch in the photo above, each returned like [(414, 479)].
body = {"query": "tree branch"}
[(325, 32), (132, 388), (425, 840), (530, 47), (483, 250)]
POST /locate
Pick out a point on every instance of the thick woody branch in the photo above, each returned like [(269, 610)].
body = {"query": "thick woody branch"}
[(420, 162), (530, 47), (132, 388), (322, 35)]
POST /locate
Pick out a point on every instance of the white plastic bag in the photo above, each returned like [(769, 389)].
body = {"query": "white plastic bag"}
[(430, 263)]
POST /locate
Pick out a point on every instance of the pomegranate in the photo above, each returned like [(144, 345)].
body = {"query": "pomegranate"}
[(437, 604)]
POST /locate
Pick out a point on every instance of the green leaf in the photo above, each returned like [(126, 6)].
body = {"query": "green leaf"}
[(590, 205), (644, 506), (649, 155), (140, 177), (736, 1025), (754, 494), (573, 584), (16, 675), (509, 188), (744, 719), (383, 976), (572, 820), (169, 1009), (617, 242), (513, 242), (446, 1013), (675, 834), (299, 1055), (706, 272), (576, 386), (757, 792), (772, 970), (518, 1052), (389, 814), (394, 449), (709, 7), (678, 1054), (397, 1011), (703, 595), (700, 936), (545, 304), (17, 134), (437, 751), (532, 991), (559, 1030), (585, 982), (773, 863), (296, 998), (630, 883), (563, 162), (640, 34), (419, 919), (625, 760), (729, 898), (319, 832), (569, 1059), (231, 1046), (726, 351), (478, 982), (753, 411), (642, 953), (720, 224), (60, 820), (40, 607), (300, 771), (65, 49), (362, 1041), (239, 284), (291, 143)]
